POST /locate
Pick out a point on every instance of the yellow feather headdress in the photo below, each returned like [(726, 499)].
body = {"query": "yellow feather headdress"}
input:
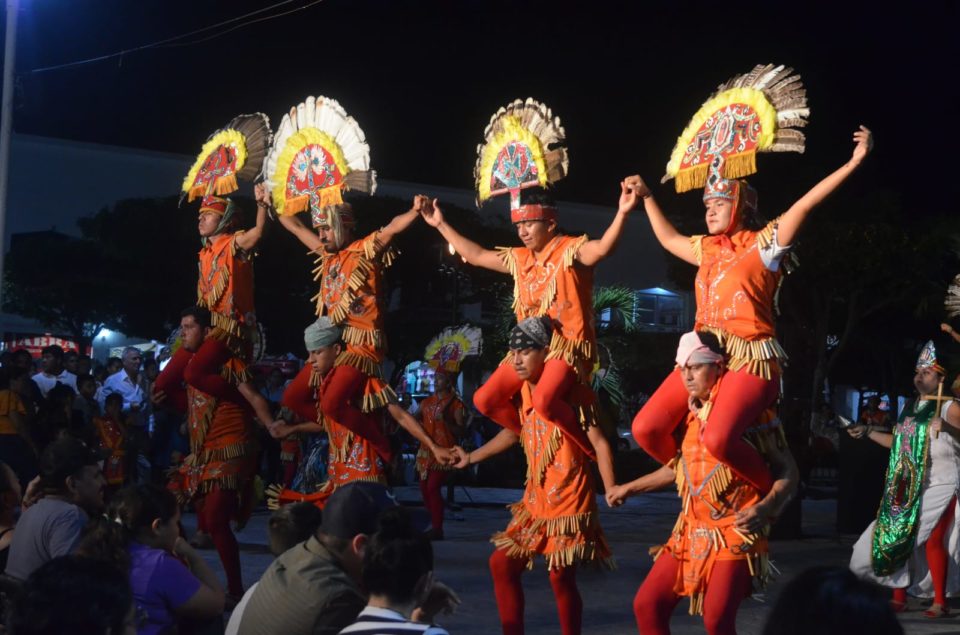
[(523, 146), (233, 152), (447, 350), (760, 111), (319, 151)]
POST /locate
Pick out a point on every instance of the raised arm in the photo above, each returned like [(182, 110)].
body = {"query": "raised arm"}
[(305, 235), (471, 251), (401, 222), (593, 251), (248, 240), (793, 218), (670, 239)]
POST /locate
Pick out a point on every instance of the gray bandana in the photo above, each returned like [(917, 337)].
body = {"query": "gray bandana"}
[(531, 333), (321, 334)]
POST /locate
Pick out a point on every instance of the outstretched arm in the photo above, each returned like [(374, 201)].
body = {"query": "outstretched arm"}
[(593, 251), (471, 251), (401, 222), (248, 240), (670, 239), (877, 436), (504, 440), (604, 456), (662, 478), (411, 425), (793, 218), (293, 225)]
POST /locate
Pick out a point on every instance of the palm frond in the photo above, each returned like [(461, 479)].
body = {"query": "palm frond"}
[(620, 301)]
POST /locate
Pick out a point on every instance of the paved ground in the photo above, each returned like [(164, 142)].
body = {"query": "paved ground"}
[(461, 561)]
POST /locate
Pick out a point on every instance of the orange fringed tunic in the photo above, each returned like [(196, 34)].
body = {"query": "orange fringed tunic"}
[(735, 297), (351, 294), (554, 284), (557, 517), (434, 415), (711, 496), (111, 438), (225, 287), (351, 458), (223, 447)]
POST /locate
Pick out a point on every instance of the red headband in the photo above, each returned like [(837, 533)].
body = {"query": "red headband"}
[(213, 204), (533, 212)]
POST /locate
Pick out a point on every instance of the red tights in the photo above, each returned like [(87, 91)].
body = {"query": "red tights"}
[(203, 371), (507, 588), (214, 511), (656, 599), (432, 498), (341, 387), (740, 400), (494, 399), (938, 558)]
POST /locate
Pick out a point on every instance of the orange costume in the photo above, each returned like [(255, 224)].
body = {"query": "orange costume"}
[(557, 517), (111, 438), (434, 416), (351, 456), (351, 289)]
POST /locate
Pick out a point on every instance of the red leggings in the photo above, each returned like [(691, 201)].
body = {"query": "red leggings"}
[(214, 512), (740, 400), (341, 387), (494, 399), (655, 600), (203, 371), (432, 498), (507, 588), (938, 558)]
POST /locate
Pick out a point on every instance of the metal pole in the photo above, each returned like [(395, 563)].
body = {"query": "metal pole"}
[(6, 125)]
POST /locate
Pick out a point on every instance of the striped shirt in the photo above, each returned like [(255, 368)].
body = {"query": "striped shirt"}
[(377, 621)]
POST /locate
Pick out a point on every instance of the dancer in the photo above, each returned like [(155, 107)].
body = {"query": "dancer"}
[(914, 545), (557, 516), (351, 457), (443, 414), (740, 262), (320, 151), (217, 476), (225, 283), (718, 545), (552, 272)]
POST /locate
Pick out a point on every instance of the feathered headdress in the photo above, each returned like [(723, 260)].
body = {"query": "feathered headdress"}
[(523, 146), (319, 151), (448, 349), (757, 112), (236, 151)]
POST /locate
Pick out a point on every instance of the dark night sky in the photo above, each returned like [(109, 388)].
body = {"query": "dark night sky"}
[(423, 78)]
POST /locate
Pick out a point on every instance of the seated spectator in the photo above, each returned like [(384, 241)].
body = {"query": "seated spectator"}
[(80, 596), (10, 494), (398, 575), (72, 487), (289, 526), (53, 372), (831, 601), (16, 446), (141, 534), (315, 587)]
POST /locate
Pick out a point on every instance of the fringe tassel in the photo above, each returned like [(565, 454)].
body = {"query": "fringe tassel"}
[(381, 399), (210, 299), (759, 357), (229, 452), (358, 277), (362, 363), (696, 243), (374, 338), (691, 178), (548, 454), (225, 184)]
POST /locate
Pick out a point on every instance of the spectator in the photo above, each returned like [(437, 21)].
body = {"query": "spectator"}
[(80, 596), (113, 441), (114, 364), (398, 575), (289, 526), (53, 372), (84, 365), (272, 390), (72, 485), (10, 493), (140, 534), (314, 588), (16, 448), (57, 418), (86, 401), (128, 382), (71, 362), (831, 601)]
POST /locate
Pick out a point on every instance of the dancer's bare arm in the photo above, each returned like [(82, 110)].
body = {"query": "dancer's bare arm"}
[(248, 240), (793, 218), (504, 440), (303, 233), (604, 456), (950, 423), (662, 478), (881, 438), (668, 236), (401, 222), (593, 251), (787, 477), (469, 250), (411, 425), (949, 330)]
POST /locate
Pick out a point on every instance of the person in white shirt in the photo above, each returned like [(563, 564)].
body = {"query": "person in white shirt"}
[(53, 372), (130, 384)]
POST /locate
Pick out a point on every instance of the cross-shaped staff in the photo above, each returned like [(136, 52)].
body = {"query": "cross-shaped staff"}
[(939, 399)]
